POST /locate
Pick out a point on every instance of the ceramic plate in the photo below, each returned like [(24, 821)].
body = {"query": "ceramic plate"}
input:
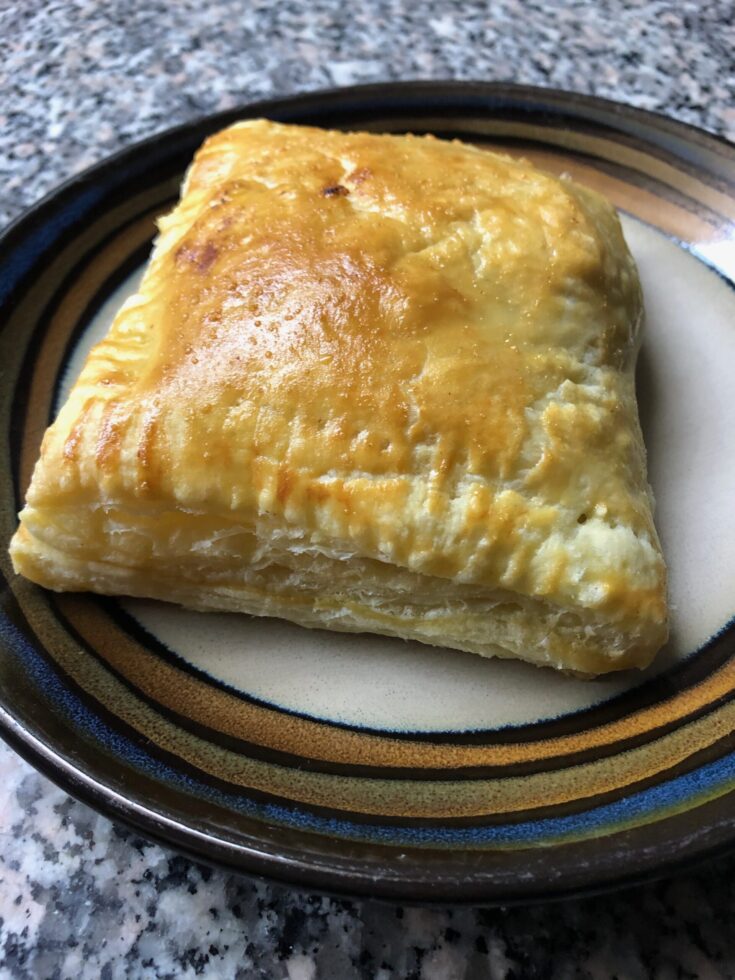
[(361, 764)]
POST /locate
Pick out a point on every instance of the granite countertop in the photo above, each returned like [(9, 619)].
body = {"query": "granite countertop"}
[(81, 897)]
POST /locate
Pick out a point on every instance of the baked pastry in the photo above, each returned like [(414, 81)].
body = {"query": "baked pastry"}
[(369, 383)]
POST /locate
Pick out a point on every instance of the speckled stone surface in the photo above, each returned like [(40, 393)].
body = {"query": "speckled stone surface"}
[(81, 79), (82, 898)]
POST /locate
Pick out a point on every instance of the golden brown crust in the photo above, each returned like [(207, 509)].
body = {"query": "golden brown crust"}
[(410, 351)]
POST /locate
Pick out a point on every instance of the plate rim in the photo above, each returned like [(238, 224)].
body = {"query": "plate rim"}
[(146, 822), (145, 819)]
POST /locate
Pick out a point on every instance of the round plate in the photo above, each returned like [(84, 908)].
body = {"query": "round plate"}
[(360, 764)]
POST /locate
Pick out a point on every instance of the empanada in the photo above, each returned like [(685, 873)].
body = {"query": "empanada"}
[(369, 383)]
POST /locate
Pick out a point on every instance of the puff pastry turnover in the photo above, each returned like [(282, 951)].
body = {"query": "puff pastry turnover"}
[(369, 383)]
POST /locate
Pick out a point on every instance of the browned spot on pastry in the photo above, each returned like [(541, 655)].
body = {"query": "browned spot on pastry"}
[(200, 256), (114, 378), (336, 190), (110, 435), (317, 492), (71, 443), (285, 484)]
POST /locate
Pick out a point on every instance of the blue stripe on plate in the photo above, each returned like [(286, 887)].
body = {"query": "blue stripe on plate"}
[(705, 782)]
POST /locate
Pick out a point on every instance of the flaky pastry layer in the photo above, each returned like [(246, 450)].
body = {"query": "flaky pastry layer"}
[(369, 383)]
